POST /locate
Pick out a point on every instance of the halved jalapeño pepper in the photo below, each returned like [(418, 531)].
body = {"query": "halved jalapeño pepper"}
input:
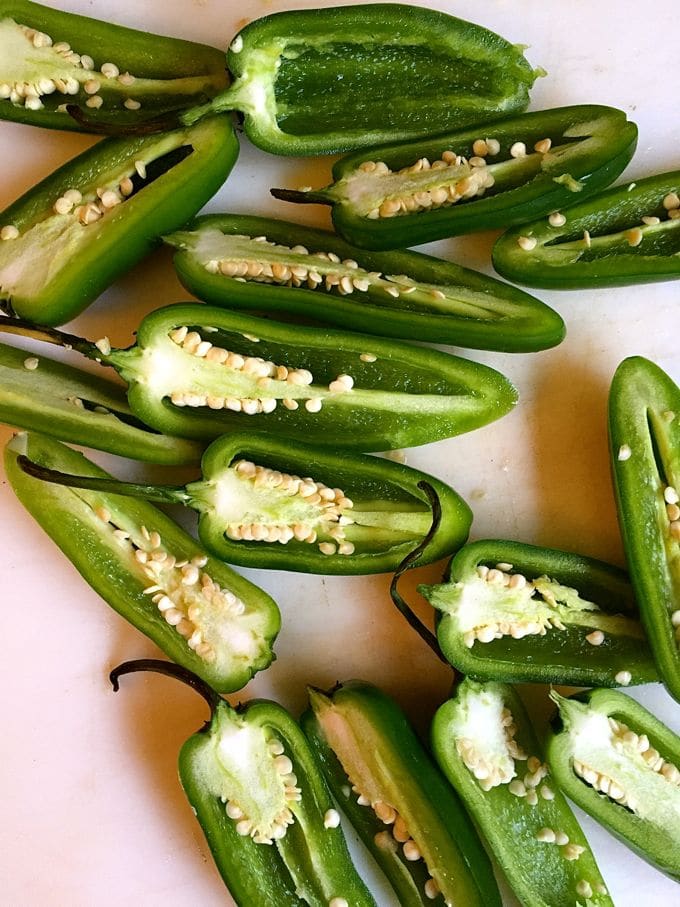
[(49, 59), (485, 745), (404, 811), (504, 173), (201, 613), (275, 266), (262, 804), (68, 238), (644, 435), (522, 614), (621, 765), (628, 234), (43, 395)]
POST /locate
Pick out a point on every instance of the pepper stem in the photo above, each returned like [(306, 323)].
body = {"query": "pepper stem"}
[(302, 197), (11, 325), (171, 669), (409, 562)]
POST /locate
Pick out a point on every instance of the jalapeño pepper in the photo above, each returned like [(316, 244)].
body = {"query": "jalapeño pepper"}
[(262, 804), (198, 611), (49, 59), (487, 748), (406, 814), (275, 266), (504, 173), (644, 434), (68, 238), (628, 234), (621, 765)]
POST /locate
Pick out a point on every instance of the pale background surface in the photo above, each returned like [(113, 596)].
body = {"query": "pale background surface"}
[(92, 810)]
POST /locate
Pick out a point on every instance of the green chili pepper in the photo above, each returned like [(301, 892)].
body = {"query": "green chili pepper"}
[(198, 611), (406, 814), (628, 234), (621, 765), (68, 238), (49, 58), (517, 613), (275, 266), (256, 511), (263, 805), (487, 748), (502, 174), (644, 435), (197, 372)]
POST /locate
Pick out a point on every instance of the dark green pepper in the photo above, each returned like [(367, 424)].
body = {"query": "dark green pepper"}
[(504, 173), (350, 391), (485, 745), (621, 765), (49, 59), (644, 435), (275, 266), (70, 236), (262, 804), (196, 609), (406, 814), (628, 234)]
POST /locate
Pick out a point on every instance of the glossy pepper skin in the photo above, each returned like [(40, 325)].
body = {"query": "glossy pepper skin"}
[(263, 805), (628, 234), (485, 745), (644, 438), (586, 148), (132, 190), (201, 613), (564, 618), (43, 395), (621, 765), (362, 738), (48, 50), (225, 260)]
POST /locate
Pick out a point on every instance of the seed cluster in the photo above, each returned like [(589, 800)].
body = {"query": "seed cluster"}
[(492, 771)]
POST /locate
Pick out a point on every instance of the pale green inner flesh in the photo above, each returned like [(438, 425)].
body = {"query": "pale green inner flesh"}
[(657, 239), (478, 718)]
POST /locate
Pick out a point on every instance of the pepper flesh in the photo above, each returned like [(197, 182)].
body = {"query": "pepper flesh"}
[(621, 765), (405, 194), (128, 191), (361, 738), (644, 438), (628, 234), (522, 614), (480, 738), (195, 608), (275, 266)]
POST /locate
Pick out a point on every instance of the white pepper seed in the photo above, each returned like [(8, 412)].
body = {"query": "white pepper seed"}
[(557, 219), (624, 452), (31, 363), (527, 243), (9, 232)]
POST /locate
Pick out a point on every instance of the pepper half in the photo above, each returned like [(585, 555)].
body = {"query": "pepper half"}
[(49, 59), (628, 234), (263, 804), (502, 174), (198, 611), (362, 738), (517, 613), (621, 765), (480, 739), (68, 238), (644, 437), (275, 266)]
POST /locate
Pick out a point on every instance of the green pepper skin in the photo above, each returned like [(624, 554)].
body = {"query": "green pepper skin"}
[(645, 817), (644, 438), (452, 305), (390, 763), (58, 265), (604, 242), (591, 145), (74, 406), (468, 602), (541, 874), (169, 74), (73, 519)]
